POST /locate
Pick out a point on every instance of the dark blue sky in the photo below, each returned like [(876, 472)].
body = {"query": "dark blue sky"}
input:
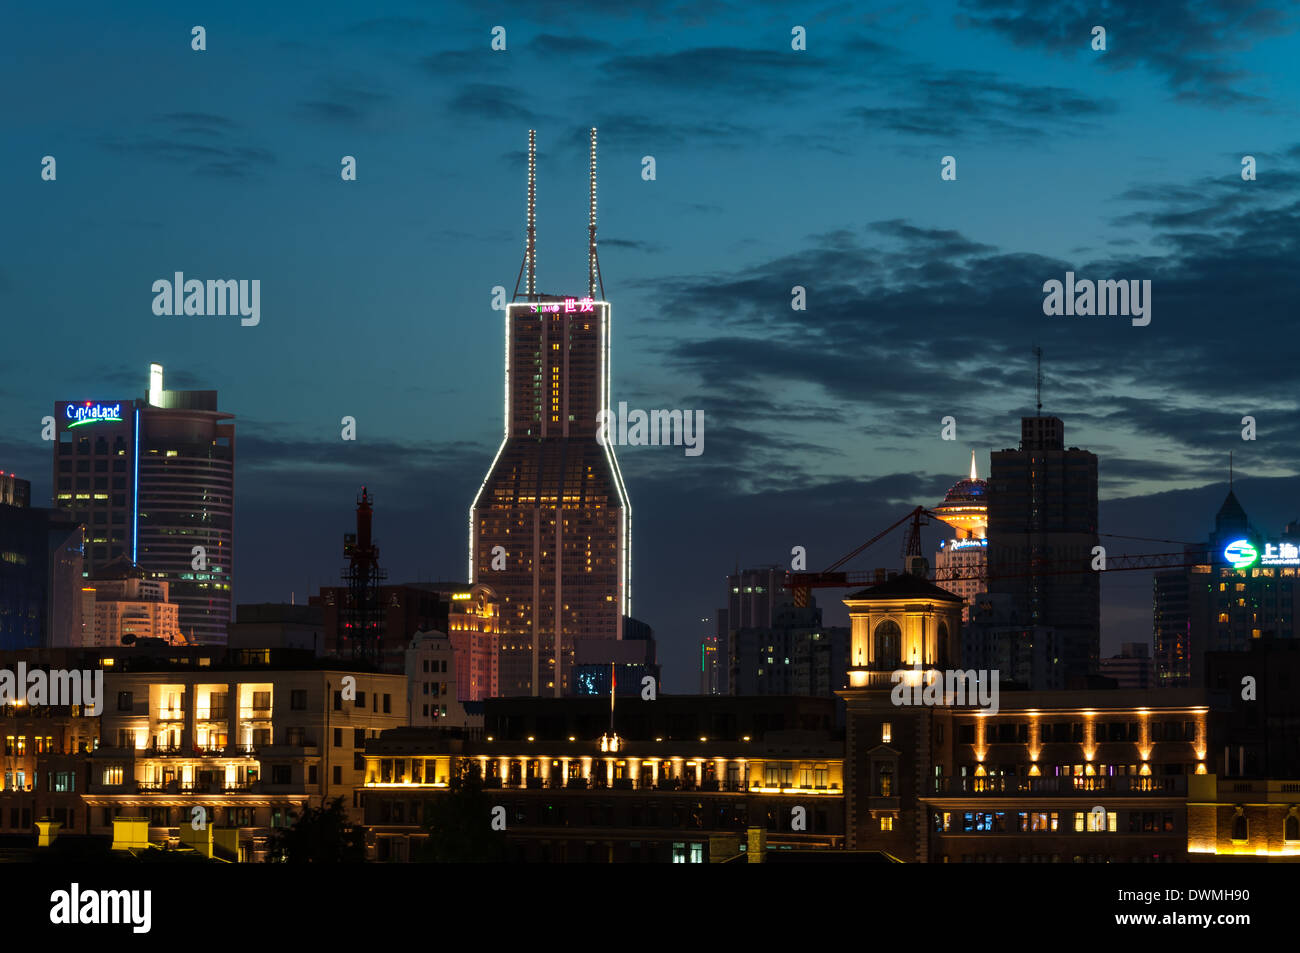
[(775, 168)]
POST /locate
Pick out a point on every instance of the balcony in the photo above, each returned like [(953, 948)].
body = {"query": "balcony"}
[(1120, 785)]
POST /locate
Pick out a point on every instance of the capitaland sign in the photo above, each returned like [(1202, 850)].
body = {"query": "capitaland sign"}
[(1242, 554), (92, 413)]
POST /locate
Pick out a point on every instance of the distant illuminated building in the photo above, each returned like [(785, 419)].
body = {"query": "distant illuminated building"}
[(549, 527), (121, 600), (153, 480), (965, 509)]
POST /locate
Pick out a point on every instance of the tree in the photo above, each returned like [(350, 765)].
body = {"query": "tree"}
[(320, 835), (459, 823)]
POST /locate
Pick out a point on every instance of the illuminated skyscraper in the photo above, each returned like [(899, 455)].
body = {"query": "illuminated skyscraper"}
[(153, 479), (966, 510), (550, 526)]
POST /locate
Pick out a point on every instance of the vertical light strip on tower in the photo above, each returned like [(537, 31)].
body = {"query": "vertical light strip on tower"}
[(135, 507), (591, 225), (531, 286)]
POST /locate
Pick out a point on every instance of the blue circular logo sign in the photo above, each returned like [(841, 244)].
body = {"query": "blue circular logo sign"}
[(1241, 553)]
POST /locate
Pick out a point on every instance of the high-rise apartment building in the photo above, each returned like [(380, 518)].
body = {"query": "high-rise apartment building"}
[(1042, 528), (550, 526), (153, 480), (712, 665), (1240, 586), (40, 571), (121, 600)]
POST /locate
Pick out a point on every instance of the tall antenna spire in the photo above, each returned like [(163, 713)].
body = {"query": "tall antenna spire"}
[(529, 264), (531, 287), (1038, 381), (593, 264), (972, 466)]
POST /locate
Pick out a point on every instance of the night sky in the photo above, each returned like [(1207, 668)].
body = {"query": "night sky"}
[(775, 168)]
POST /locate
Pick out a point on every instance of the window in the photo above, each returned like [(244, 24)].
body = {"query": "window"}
[(358, 737), (388, 704), (312, 776), (887, 823), (1240, 828), (281, 774), (885, 780), (295, 736), (1291, 828), (298, 699), (360, 701), (886, 733), (338, 737), (261, 701), (338, 701), (888, 641), (113, 775), (338, 774), (125, 701)]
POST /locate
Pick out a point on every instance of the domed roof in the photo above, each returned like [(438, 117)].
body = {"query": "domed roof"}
[(970, 490), (966, 491)]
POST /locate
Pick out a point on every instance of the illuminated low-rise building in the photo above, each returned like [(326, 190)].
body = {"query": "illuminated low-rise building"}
[(1051, 777), (677, 774), (44, 754), (252, 737), (1236, 819)]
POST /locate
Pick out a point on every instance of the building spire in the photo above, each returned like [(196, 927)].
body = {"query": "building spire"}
[(529, 264), (972, 466), (532, 213), (593, 263)]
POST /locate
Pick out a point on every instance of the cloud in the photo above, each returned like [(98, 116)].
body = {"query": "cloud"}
[(1193, 46), (176, 143), (491, 101), (344, 103)]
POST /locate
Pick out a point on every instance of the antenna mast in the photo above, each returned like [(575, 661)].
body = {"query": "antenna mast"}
[(530, 247), (1038, 383), (593, 263)]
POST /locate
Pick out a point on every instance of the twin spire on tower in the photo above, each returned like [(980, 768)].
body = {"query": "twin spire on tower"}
[(529, 266)]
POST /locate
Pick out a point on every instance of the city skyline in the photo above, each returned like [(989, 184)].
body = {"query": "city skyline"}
[(924, 295)]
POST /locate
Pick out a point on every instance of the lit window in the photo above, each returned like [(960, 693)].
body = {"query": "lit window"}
[(886, 732)]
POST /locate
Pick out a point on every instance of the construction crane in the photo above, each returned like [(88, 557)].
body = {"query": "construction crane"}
[(836, 578)]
